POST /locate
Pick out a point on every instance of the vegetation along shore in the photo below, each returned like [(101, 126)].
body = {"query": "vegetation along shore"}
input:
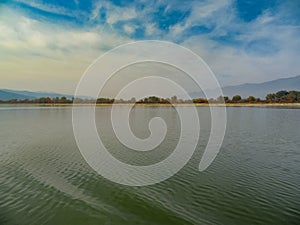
[(281, 98)]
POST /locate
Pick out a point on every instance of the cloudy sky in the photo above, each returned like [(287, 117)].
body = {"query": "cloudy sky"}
[(47, 45)]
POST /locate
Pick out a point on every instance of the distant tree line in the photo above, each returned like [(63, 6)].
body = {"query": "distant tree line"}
[(284, 96), (43, 100), (279, 97)]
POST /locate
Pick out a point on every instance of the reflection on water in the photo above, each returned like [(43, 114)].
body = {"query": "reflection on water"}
[(254, 180)]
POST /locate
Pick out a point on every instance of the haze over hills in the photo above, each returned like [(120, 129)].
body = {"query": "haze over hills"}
[(6, 94), (259, 90)]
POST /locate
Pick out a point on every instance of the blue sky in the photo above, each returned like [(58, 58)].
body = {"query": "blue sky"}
[(47, 45)]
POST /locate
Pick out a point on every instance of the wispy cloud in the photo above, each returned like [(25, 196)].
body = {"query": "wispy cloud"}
[(113, 13), (241, 44), (47, 7), (45, 56)]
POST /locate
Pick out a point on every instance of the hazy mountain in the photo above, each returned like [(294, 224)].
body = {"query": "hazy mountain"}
[(6, 94), (262, 89), (259, 90), (256, 89)]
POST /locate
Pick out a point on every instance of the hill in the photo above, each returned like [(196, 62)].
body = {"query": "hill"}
[(6, 94), (262, 89), (259, 90)]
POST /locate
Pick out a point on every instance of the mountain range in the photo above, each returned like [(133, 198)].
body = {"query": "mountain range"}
[(6, 94), (259, 90)]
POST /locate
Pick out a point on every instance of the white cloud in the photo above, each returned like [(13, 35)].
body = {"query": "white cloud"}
[(260, 50), (52, 8), (120, 14), (234, 65), (203, 13), (114, 13), (129, 29), (35, 53), (236, 61), (27, 35), (151, 29)]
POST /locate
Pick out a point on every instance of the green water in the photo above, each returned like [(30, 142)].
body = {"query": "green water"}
[(254, 180)]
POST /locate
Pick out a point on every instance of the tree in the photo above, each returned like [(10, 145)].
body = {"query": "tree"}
[(153, 99), (104, 101), (63, 99), (133, 100), (251, 99), (222, 99), (236, 98), (174, 99), (281, 94), (43, 100), (200, 100), (55, 100), (271, 97), (293, 96)]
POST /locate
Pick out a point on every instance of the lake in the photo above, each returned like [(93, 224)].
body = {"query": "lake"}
[(254, 179)]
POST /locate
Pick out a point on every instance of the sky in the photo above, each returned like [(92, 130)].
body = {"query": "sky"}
[(47, 45)]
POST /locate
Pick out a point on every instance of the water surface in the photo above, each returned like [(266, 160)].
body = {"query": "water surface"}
[(254, 180)]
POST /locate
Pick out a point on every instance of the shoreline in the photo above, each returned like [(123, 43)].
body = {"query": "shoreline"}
[(297, 105)]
